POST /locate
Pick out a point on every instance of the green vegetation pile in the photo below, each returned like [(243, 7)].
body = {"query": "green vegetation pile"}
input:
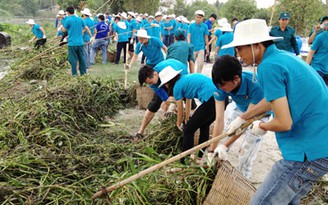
[(57, 144)]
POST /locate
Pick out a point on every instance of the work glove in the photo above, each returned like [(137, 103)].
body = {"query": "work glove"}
[(256, 130), (210, 159), (181, 127), (171, 110), (234, 125), (30, 41), (92, 39), (131, 41), (299, 56), (221, 151), (59, 28), (127, 66), (44, 36)]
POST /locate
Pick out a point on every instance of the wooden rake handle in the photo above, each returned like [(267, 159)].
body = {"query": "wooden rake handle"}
[(175, 158)]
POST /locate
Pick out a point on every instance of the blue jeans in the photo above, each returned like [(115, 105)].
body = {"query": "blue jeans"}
[(86, 52), (99, 43), (289, 181), (166, 40)]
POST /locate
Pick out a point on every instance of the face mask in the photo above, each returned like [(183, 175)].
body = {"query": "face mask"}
[(324, 25)]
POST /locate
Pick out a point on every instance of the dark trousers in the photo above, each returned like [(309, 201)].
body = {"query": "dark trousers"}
[(166, 40), (207, 58), (119, 47), (40, 42), (143, 58), (324, 77), (202, 119)]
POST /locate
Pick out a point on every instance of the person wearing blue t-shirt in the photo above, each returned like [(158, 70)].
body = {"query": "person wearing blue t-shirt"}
[(198, 36), (39, 33), (248, 101), (167, 27), (318, 29), (74, 26), (86, 16), (121, 29), (209, 23), (101, 35), (318, 55), (189, 87), (132, 30), (151, 47), (174, 23), (299, 99), (148, 74), (225, 38)]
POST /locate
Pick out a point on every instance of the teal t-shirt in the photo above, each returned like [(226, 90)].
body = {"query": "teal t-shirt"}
[(248, 93), (197, 35), (90, 24), (225, 39), (153, 51), (320, 59), (132, 26), (121, 28), (283, 75), (194, 85), (74, 26), (181, 51), (37, 31)]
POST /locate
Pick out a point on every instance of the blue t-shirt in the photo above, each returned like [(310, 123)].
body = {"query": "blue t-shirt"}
[(194, 85), (102, 30), (283, 75), (90, 24), (132, 26), (197, 35), (37, 31), (121, 28), (248, 93), (174, 24), (74, 26), (320, 58), (218, 33), (165, 26), (156, 30), (153, 51), (209, 26), (225, 39)]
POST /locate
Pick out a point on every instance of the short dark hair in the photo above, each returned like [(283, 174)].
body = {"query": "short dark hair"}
[(234, 19), (101, 17), (225, 69), (117, 18), (214, 16), (180, 38), (70, 9), (145, 72), (267, 43)]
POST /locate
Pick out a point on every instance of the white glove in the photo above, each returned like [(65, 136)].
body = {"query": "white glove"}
[(181, 127), (234, 125), (44, 36), (127, 66), (299, 56), (30, 40), (256, 130), (210, 159), (59, 28), (92, 39), (221, 151), (131, 41)]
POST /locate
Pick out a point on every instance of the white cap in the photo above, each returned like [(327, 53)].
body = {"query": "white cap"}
[(124, 15), (61, 12), (158, 13), (30, 21), (138, 19), (250, 32), (142, 33), (222, 21), (167, 74), (151, 17), (86, 11), (200, 12), (146, 14), (173, 15)]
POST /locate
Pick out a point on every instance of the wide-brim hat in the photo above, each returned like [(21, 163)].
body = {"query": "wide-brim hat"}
[(200, 12), (124, 15), (86, 12), (132, 14), (61, 12), (30, 21), (226, 27), (158, 13), (222, 21), (142, 34), (250, 32), (167, 74)]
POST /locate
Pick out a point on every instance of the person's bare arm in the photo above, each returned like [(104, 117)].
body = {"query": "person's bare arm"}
[(188, 38), (310, 56), (134, 58), (311, 38), (188, 108), (180, 113), (191, 66), (86, 28), (213, 39), (282, 120), (206, 43), (219, 122), (254, 110), (164, 48)]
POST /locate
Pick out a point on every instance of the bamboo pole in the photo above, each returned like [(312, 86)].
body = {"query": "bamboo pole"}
[(272, 12), (175, 158), (327, 7)]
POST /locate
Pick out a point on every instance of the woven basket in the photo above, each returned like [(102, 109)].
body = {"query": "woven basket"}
[(144, 96), (229, 187)]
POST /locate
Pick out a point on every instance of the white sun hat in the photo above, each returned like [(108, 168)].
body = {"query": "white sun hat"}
[(61, 12), (151, 17), (142, 33), (250, 32), (222, 21), (124, 15), (86, 11), (167, 74), (132, 14), (138, 19), (200, 12), (226, 27), (158, 13), (30, 21)]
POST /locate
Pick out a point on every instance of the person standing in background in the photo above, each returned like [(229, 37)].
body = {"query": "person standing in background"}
[(209, 24)]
